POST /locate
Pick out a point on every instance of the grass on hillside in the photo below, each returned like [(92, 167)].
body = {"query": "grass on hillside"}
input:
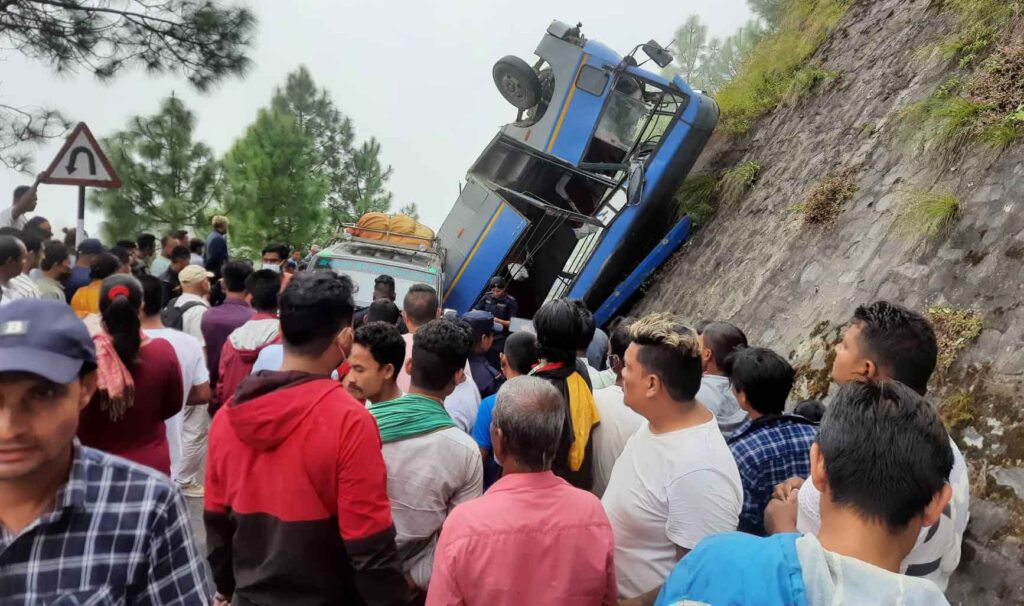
[(771, 70), (736, 180), (955, 329), (698, 198), (926, 214), (805, 80), (826, 201), (979, 26)]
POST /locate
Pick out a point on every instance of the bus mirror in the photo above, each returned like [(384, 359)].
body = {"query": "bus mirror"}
[(635, 186), (657, 54)]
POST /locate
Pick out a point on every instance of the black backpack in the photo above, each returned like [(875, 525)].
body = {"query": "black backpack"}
[(173, 316)]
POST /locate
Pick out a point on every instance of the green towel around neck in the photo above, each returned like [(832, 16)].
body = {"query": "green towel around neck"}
[(409, 416)]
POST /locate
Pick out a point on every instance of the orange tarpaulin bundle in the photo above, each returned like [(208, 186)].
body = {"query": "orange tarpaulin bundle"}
[(397, 229)]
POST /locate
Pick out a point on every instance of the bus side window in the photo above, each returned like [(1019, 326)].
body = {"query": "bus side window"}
[(592, 80)]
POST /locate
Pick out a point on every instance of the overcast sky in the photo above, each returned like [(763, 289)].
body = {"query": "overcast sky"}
[(416, 75)]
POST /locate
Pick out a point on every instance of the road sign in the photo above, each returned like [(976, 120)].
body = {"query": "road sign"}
[(81, 162)]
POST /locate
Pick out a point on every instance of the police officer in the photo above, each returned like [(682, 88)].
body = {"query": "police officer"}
[(487, 378), (503, 307)]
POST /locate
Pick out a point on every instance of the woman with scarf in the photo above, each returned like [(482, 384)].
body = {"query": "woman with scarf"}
[(138, 382), (558, 329)]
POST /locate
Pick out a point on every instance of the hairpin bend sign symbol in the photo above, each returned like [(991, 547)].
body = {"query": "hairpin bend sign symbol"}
[(81, 161)]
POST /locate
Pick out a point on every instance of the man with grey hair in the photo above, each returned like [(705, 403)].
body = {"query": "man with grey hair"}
[(532, 536)]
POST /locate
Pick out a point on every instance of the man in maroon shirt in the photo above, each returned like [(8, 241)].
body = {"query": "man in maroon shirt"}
[(221, 321)]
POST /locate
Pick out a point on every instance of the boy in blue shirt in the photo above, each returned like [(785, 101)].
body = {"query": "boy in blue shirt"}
[(881, 461)]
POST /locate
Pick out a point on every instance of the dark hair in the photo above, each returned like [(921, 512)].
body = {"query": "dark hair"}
[(235, 274), (122, 255), (121, 315), (763, 376), (587, 325), (383, 310), (105, 265), (167, 238), (384, 287), (886, 451), (901, 342), (152, 294), (521, 351), (439, 349), (264, 286), (282, 250), (180, 234), (196, 245), (10, 248), (127, 244), (33, 225), (671, 350), (315, 307), (54, 253), (385, 343), (420, 304), (180, 253), (723, 338), (619, 340), (19, 191), (558, 330), (146, 241), (33, 243), (812, 410)]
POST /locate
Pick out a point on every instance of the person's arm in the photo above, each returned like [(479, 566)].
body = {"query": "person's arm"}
[(444, 587), (174, 393), (199, 394), (611, 586), (177, 574), (513, 308), (216, 254), (780, 516), (700, 503), (364, 514)]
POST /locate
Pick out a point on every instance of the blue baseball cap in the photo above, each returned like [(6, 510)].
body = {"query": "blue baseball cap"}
[(482, 322), (45, 338), (90, 246)]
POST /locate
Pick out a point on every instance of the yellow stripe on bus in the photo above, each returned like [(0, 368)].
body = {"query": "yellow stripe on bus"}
[(565, 107), (472, 252)]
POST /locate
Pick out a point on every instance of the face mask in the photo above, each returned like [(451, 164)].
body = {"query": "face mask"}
[(272, 267)]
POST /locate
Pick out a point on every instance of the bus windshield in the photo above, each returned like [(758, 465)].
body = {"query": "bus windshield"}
[(363, 273), (622, 120)]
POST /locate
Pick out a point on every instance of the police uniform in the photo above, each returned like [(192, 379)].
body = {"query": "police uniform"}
[(487, 378), (502, 308)]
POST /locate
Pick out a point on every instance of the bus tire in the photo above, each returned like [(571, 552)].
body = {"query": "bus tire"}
[(517, 82)]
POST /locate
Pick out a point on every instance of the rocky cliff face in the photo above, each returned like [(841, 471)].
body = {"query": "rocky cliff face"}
[(791, 284)]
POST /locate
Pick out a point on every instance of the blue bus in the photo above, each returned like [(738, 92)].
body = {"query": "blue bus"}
[(575, 196)]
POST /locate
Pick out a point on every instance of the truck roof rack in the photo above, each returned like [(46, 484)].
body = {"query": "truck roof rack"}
[(424, 244)]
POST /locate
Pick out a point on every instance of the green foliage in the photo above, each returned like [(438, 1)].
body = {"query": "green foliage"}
[(979, 25), (957, 410), (924, 214), (356, 180), (769, 71), (698, 198), (769, 10), (198, 38), (410, 209), (943, 120), (271, 193), (167, 180), (807, 79), (825, 202), (709, 64), (736, 180), (955, 329)]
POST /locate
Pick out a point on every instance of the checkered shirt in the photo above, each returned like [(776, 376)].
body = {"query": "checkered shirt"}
[(768, 451), (119, 534)]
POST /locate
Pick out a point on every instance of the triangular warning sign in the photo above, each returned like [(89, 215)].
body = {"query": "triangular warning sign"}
[(81, 162)]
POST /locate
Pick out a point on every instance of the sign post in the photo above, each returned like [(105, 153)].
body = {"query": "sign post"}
[(81, 162)]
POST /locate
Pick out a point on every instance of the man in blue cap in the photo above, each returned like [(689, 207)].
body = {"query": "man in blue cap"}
[(487, 378), (81, 274), (503, 307), (76, 523)]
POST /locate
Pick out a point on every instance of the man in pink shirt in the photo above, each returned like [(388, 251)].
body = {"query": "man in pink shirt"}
[(532, 538)]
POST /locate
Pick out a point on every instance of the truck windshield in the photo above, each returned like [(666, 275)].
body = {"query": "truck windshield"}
[(363, 273), (622, 120)]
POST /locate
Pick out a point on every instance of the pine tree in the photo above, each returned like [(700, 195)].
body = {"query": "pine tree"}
[(197, 38), (272, 194), (769, 10), (365, 182), (167, 180)]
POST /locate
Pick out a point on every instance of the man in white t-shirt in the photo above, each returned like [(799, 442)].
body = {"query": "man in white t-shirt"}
[(676, 482), (186, 430), (195, 288), (420, 306), (887, 342), (618, 421)]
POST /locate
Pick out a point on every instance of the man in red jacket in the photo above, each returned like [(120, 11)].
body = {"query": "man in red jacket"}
[(297, 510), (245, 343)]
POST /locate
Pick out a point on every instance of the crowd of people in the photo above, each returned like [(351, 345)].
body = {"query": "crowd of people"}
[(397, 454)]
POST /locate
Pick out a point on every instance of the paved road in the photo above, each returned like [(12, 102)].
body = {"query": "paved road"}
[(195, 513)]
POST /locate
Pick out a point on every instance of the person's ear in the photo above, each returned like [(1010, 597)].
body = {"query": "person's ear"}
[(437, 314), (88, 383), (741, 398), (460, 376), (497, 442), (870, 370), (408, 366), (654, 385), (818, 475), (939, 501), (344, 340), (503, 363), (389, 372)]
